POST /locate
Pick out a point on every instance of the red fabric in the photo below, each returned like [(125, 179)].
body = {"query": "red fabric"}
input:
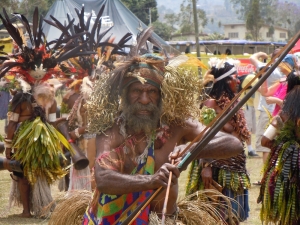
[(297, 47)]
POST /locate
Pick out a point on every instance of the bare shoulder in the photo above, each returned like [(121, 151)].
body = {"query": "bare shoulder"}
[(109, 140), (188, 131), (211, 103)]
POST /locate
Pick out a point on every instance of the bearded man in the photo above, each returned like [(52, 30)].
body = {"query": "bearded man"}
[(134, 144)]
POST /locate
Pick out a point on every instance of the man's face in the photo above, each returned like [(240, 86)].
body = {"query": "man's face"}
[(142, 107), (144, 94)]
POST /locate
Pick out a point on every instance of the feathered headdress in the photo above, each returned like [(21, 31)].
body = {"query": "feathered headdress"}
[(220, 68), (38, 61), (149, 63), (92, 37)]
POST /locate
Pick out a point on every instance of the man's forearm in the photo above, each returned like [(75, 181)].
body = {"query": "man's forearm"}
[(114, 183), (11, 128), (254, 59), (222, 146)]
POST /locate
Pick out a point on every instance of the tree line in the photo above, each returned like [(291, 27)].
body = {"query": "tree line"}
[(26, 7), (273, 13)]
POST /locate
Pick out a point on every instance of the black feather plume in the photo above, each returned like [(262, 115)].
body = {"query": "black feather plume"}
[(6, 66), (12, 30), (26, 25), (35, 25)]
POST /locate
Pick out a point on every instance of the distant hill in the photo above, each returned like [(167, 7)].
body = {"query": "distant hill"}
[(174, 5), (216, 10)]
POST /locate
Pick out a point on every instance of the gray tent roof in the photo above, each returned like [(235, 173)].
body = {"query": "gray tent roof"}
[(120, 16)]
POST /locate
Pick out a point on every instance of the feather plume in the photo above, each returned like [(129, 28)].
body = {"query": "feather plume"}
[(178, 60), (93, 31), (121, 44), (124, 39), (100, 36), (12, 30), (80, 16), (141, 40), (154, 41), (74, 63), (71, 28), (25, 23), (35, 24), (38, 39), (109, 49), (61, 26), (233, 61), (71, 53), (51, 23), (194, 62), (7, 66), (220, 63), (61, 38)]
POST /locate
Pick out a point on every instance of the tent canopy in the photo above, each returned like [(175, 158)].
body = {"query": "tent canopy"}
[(115, 14)]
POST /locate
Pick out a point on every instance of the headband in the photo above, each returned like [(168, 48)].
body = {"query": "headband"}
[(143, 72), (228, 73)]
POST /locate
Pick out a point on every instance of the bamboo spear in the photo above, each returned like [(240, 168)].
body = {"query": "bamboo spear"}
[(220, 121)]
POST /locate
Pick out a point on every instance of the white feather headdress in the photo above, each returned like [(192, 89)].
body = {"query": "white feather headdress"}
[(219, 63)]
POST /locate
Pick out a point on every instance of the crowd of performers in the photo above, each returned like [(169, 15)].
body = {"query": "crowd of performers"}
[(127, 118)]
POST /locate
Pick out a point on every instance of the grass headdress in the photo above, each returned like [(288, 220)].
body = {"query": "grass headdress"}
[(180, 87)]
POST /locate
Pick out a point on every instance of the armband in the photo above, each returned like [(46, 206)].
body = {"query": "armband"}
[(7, 145), (52, 117), (64, 115), (76, 131), (271, 132), (7, 140), (14, 117)]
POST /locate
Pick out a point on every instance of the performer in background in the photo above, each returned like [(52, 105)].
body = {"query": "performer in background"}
[(231, 173), (279, 192)]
